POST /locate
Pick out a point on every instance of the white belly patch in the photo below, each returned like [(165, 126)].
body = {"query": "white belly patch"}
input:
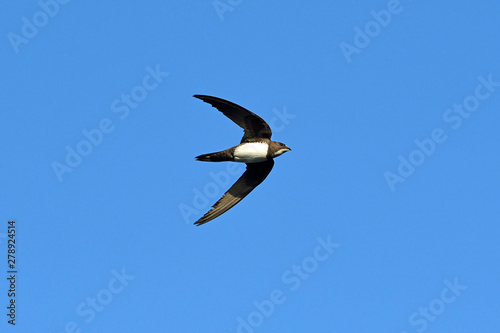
[(252, 152)]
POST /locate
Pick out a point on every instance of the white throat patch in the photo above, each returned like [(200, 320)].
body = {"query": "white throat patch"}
[(251, 152), (280, 152)]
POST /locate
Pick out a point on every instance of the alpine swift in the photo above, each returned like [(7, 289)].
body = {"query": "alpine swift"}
[(255, 149)]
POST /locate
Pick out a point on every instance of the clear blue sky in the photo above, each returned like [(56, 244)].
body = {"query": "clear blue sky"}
[(383, 218)]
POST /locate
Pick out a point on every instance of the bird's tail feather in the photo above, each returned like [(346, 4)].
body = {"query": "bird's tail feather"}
[(214, 157)]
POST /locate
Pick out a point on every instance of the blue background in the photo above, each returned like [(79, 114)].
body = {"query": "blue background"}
[(351, 119)]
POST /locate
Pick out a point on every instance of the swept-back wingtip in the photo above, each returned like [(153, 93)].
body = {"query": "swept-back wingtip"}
[(200, 222), (253, 125)]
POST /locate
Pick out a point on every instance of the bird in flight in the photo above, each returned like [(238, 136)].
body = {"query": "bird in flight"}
[(255, 149)]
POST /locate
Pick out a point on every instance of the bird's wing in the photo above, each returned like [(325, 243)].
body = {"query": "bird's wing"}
[(251, 178), (253, 125)]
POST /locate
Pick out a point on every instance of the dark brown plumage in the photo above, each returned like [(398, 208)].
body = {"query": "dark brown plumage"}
[(251, 178), (257, 135), (253, 125)]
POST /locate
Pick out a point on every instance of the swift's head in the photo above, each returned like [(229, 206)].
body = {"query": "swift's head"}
[(278, 148)]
